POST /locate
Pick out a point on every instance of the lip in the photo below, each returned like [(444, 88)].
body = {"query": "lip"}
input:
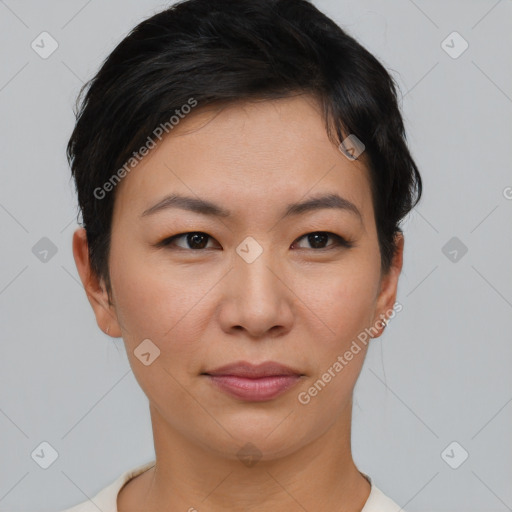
[(255, 371), (254, 383)]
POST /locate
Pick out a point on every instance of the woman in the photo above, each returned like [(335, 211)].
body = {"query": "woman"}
[(242, 170)]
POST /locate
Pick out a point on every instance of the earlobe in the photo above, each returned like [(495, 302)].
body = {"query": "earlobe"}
[(94, 287)]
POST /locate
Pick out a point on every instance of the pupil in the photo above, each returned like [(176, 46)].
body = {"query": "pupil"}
[(195, 240), (313, 239)]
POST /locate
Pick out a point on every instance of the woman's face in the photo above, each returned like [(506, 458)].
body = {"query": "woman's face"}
[(251, 286)]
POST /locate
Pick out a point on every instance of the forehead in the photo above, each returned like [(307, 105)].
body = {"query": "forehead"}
[(250, 155)]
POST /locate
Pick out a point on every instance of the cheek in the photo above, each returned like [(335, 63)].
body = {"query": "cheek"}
[(345, 303), (162, 304), (352, 302), (343, 298), (166, 310)]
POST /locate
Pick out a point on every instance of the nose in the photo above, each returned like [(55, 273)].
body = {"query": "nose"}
[(257, 298)]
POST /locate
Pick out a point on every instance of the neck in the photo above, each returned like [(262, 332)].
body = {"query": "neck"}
[(320, 475)]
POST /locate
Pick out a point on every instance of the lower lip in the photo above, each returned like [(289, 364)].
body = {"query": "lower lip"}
[(254, 390)]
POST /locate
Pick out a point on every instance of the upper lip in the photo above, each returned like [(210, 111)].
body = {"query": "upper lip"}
[(249, 370)]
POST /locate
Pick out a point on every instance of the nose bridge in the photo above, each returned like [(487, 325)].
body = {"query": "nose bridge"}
[(252, 271), (257, 296)]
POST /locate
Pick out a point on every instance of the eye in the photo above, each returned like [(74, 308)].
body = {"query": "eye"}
[(194, 240), (197, 240), (318, 239)]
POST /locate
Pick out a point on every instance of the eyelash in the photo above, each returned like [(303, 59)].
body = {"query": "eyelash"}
[(339, 240)]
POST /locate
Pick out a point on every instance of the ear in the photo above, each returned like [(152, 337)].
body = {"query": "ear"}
[(388, 287), (95, 288)]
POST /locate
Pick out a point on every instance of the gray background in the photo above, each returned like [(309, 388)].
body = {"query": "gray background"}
[(440, 373)]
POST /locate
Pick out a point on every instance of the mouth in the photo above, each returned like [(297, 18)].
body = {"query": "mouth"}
[(254, 383)]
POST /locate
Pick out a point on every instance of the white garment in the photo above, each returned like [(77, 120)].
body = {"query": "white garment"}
[(106, 499)]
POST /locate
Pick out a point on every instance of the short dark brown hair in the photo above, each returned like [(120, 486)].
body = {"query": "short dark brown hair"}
[(219, 51)]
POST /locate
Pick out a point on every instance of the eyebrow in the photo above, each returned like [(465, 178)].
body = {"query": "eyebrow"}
[(204, 207)]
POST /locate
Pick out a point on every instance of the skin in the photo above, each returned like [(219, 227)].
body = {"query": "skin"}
[(295, 304)]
